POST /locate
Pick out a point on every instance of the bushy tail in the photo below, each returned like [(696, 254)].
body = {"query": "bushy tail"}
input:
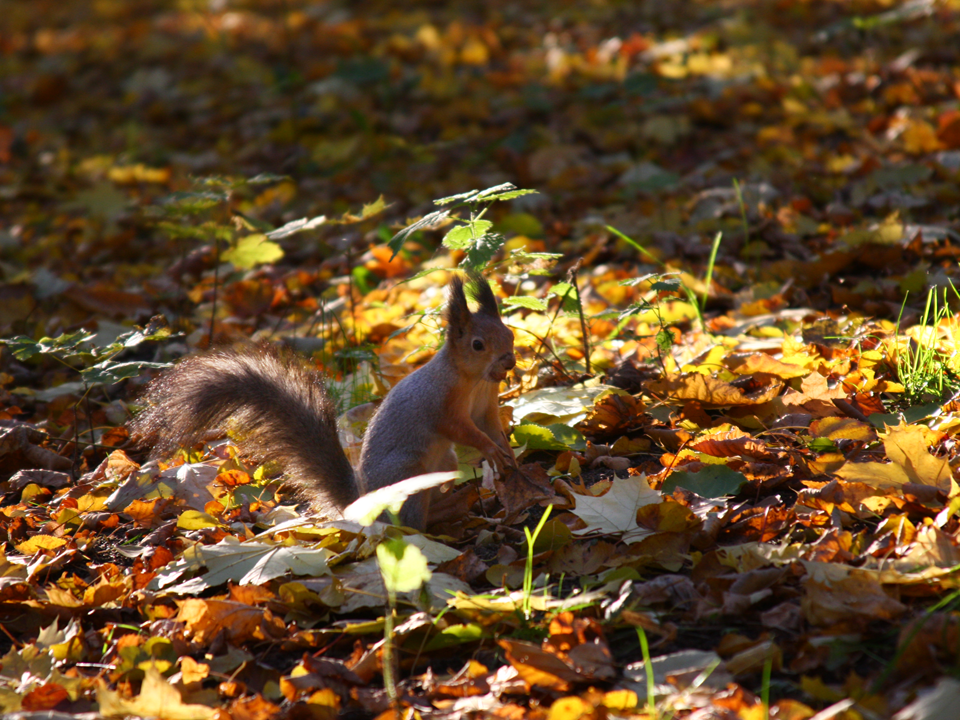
[(273, 401)]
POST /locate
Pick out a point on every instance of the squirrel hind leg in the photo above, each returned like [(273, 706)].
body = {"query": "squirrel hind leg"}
[(415, 510)]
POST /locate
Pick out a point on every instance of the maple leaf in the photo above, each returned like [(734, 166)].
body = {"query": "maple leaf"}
[(616, 510), (157, 698)]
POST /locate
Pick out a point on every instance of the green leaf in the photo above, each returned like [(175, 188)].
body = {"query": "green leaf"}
[(454, 635), (109, 372), (822, 445), (454, 198), (633, 282), (462, 236), (253, 250), (568, 296), (424, 223), (666, 285), (263, 178), (910, 415), (23, 348), (403, 566), (712, 481), (510, 195), (296, 226), (636, 308), (552, 437), (525, 301), (373, 208), (368, 507), (504, 191), (66, 344), (492, 193), (483, 250), (195, 201), (664, 340), (155, 330)]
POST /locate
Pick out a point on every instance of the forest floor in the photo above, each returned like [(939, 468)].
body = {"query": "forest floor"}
[(732, 290)]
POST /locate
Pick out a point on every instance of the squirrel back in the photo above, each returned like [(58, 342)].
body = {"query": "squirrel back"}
[(277, 404)]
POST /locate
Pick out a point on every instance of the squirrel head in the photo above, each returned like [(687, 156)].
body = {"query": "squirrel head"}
[(479, 341)]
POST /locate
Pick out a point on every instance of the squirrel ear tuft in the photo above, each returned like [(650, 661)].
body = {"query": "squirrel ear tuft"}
[(484, 296), (458, 313)]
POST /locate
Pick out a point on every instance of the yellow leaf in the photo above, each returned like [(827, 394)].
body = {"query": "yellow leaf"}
[(193, 671), (569, 708), (196, 520), (474, 52), (909, 447), (157, 698), (40, 542), (620, 700), (842, 428), (920, 138), (763, 363)]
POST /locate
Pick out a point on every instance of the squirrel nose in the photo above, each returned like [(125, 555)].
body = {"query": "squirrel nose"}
[(509, 361)]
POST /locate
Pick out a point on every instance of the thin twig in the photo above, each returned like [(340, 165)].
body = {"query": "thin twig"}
[(216, 284), (572, 279)]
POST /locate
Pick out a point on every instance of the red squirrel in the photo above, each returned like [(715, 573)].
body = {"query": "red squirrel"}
[(280, 410)]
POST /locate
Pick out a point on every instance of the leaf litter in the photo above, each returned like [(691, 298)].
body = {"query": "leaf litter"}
[(755, 482)]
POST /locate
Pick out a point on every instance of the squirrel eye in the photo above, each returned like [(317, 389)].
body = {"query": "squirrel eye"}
[(477, 344)]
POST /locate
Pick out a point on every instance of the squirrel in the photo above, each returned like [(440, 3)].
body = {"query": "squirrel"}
[(278, 403)]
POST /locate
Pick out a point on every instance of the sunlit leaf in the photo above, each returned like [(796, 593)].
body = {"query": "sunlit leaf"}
[(253, 250)]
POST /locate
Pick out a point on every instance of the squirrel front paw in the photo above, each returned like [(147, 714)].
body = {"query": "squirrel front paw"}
[(501, 459)]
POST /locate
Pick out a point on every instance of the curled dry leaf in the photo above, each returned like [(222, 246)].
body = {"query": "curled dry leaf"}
[(711, 392)]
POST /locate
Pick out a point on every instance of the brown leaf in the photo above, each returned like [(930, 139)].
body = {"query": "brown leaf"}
[(846, 595), (539, 668), (45, 697), (254, 707), (731, 444), (612, 413), (203, 619), (712, 392), (519, 489), (579, 642), (466, 566)]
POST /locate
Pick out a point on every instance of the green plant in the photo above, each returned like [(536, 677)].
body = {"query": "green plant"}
[(94, 363), (205, 214), (699, 304), (765, 685), (473, 234), (651, 707), (570, 303), (208, 213), (925, 372), (404, 569), (528, 568), (660, 284)]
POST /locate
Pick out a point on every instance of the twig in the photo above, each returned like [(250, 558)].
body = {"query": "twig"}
[(572, 279)]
